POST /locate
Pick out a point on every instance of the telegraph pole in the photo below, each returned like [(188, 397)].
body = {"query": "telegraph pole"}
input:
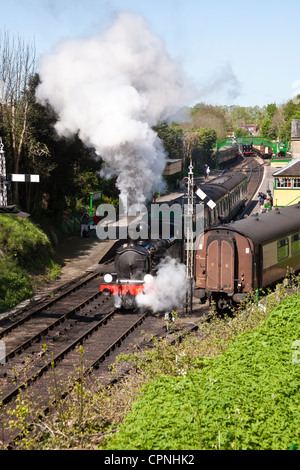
[(190, 240)]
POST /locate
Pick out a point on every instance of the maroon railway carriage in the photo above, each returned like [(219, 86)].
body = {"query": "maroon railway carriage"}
[(235, 259)]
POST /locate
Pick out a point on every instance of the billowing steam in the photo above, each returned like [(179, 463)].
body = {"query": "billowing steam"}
[(167, 290), (224, 80), (111, 89)]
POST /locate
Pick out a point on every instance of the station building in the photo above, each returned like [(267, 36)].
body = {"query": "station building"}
[(279, 162), (287, 184)]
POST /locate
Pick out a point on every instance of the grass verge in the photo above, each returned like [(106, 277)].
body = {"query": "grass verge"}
[(26, 258)]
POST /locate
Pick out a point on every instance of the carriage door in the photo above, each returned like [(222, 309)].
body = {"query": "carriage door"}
[(220, 266)]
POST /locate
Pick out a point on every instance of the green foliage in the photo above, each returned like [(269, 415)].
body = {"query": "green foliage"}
[(205, 139), (265, 128), (24, 242), (240, 132), (208, 116), (171, 135), (25, 252), (268, 126), (241, 114), (271, 109), (245, 398), (290, 111), (15, 285)]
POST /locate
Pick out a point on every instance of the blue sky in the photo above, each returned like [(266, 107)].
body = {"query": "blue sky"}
[(256, 42)]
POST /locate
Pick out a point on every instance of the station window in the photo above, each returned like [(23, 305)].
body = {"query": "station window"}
[(283, 183), (295, 243), (282, 249), (296, 182)]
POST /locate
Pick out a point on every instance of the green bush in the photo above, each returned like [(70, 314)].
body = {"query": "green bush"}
[(15, 285), (24, 242), (25, 252), (245, 398)]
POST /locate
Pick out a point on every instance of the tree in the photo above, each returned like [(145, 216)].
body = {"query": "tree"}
[(171, 135), (291, 111), (208, 116), (241, 114), (271, 122), (17, 64), (241, 132), (271, 109), (190, 141), (198, 145)]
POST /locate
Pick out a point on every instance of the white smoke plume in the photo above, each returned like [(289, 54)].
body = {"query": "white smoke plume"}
[(223, 81), (111, 89), (167, 290)]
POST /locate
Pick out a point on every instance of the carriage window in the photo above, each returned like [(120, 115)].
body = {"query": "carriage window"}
[(282, 249), (295, 243)]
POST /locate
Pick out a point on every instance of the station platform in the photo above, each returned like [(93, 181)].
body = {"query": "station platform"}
[(265, 186)]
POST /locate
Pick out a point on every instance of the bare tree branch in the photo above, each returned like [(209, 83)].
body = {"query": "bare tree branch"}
[(17, 65)]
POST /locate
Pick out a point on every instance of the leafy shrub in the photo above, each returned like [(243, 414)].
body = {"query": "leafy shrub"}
[(25, 252), (245, 398), (15, 285)]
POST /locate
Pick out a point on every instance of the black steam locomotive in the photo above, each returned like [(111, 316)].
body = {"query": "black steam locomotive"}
[(247, 150), (134, 262)]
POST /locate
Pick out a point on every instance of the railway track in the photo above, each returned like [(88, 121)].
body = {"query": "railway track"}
[(49, 366), (54, 326), (63, 348), (8, 322), (47, 345), (254, 170)]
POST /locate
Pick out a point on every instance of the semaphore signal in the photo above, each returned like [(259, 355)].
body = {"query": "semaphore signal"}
[(6, 178)]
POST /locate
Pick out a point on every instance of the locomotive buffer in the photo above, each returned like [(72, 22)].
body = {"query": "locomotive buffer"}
[(6, 178)]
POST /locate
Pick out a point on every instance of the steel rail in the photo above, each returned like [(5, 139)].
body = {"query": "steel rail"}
[(9, 396), (48, 328), (64, 393), (49, 304)]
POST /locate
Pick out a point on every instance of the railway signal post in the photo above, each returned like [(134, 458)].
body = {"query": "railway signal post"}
[(190, 240), (6, 178)]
